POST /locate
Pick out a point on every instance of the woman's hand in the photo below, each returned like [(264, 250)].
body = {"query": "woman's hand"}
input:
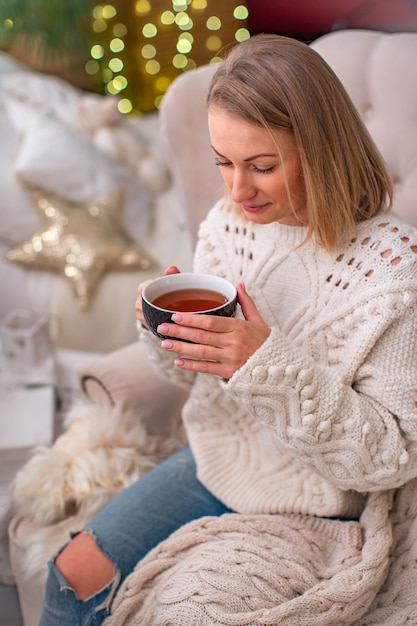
[(172, 269), (221, 345)]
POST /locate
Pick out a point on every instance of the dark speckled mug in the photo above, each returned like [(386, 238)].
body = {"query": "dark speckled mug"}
[(186, 292)]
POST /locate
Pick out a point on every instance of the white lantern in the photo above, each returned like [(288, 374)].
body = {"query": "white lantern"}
[(27, 347)]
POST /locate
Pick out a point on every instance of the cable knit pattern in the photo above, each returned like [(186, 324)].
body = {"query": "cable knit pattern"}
[(244, 570), (326, 408)]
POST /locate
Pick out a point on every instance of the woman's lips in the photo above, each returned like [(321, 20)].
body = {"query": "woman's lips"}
[(253, 208)]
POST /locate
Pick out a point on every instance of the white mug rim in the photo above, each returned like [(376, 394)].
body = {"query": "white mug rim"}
[(187, 280)]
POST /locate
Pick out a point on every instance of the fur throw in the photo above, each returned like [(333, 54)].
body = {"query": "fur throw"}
[(100, 453)]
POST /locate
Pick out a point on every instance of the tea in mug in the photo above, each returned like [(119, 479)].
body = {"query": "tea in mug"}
[(190, 300)]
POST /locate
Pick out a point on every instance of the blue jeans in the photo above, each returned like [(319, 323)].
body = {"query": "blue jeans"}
[(131, 525)]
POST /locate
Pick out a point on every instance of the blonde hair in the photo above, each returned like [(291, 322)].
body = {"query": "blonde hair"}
[(279, 82)]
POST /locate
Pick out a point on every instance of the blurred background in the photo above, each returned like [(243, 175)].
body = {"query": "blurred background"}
[(135, 48)]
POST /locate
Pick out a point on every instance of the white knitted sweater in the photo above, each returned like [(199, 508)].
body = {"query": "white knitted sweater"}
[(328, 403), (324, 413)]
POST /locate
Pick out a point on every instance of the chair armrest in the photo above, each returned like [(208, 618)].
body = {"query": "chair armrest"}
[(127, 378)]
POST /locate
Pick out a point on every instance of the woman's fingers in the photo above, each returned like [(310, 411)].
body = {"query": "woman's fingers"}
[(219, 345), (248, 306), (199, 328), (172, 269), (138, 303)]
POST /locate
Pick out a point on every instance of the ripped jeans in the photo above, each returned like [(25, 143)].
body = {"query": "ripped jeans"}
[(132, 524)]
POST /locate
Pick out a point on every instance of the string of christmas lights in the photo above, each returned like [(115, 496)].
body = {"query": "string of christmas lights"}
[(140, 47)]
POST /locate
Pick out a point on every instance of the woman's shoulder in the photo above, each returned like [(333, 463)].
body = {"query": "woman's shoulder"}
[(380, 258), (388, 238), (387, 222)]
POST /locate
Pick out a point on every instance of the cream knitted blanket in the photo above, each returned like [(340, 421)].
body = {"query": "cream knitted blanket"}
[(247, 570)]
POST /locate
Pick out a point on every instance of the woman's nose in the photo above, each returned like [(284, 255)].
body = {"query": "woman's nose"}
[(241, 188)]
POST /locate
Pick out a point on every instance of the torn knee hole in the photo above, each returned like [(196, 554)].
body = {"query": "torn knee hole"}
[(86, 568)]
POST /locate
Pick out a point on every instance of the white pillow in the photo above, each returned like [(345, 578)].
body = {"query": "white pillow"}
[(23, 95), (53, 157), (18, 220), (26, 94)]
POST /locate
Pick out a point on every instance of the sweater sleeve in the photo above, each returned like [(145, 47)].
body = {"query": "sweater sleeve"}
[(163, 361), (358, 429)]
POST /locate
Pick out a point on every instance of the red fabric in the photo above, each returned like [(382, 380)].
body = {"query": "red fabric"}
[(308, 18)]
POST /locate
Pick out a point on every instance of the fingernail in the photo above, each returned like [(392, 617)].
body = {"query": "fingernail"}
[(176, 317), (162, 329), (179, 362), (167, 344)]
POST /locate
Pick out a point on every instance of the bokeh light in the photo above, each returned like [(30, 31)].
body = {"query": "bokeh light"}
[(148, 51), (142, 45), (213, 23), (116, 65), (142, 7)]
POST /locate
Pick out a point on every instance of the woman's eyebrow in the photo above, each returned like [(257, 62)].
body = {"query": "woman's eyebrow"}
[(262, 154), (251, 158), (217, 152)]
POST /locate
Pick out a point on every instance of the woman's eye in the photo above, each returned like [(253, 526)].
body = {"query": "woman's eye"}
[(222, 163), (255, 168), (264, 170)]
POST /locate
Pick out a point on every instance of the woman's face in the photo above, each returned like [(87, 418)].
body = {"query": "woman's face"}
[(259, 178)]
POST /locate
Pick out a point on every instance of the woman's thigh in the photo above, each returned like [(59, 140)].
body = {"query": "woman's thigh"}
[(147, 512)]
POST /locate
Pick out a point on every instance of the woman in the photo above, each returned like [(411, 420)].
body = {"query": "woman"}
[(306, 401)]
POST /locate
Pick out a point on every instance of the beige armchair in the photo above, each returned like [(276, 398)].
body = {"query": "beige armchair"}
[(379, 71)]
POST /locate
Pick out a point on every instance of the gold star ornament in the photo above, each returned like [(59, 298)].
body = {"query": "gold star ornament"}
[(80, 241)]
